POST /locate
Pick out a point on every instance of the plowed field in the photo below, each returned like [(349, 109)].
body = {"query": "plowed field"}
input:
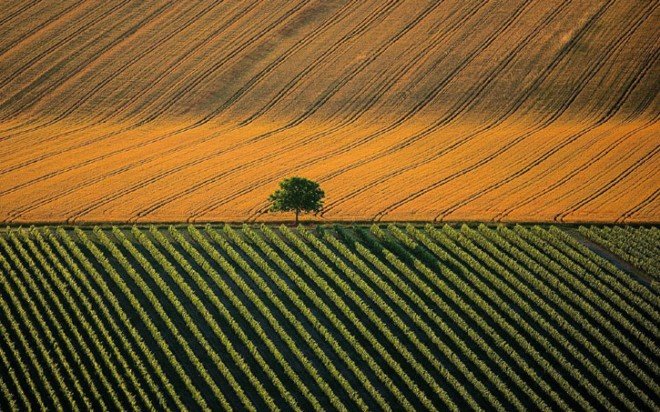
[(403, 110)]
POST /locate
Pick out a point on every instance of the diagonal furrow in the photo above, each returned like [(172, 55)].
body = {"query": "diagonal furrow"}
[(71, 108), (493, 124), (26, 6), (545, 156), (410, 140), (189, 86), (625, 173), (360, 29), (607, 116), (335, 19), (102, 137), (13, 103), (90, 142), (147, 159), (243, 166), (641, 205), (587, 76), (59, 44), (299, 143), (184, 57), (178, 168), (574, 172), (39, 27), (344, 149), (143, 54), (215, 36)]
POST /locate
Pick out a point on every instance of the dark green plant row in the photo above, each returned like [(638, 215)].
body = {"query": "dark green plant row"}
[(389, 317), (638, 246)]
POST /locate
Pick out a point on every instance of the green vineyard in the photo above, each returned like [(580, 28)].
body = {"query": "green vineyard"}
[(348, 318), (641, 247)]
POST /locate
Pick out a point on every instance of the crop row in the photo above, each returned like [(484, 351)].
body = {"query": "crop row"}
[(337, 317), (638, 246)]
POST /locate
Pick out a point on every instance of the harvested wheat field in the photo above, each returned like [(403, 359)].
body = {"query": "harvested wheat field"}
[(524, 110)]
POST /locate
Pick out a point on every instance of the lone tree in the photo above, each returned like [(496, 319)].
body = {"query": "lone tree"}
[(297, 194)]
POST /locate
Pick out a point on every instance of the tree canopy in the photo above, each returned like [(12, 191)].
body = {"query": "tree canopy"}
[(297, 194)]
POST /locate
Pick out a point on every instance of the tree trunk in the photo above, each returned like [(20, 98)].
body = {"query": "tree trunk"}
[(297, 213)]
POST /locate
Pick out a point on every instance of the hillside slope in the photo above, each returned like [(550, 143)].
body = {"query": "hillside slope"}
[(403, 110)]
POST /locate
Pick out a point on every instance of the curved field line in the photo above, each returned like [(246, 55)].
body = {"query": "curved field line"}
[(337, 85), (626, 93), (410, 140), (606, 117), (178, 168), (587, 76), (308, 38), (180, 60), (152, 140), (442, 84), (227, 23), (447, 119), (321, 101), (520, 172), (313, 137), (294, 123), (189, 86), (282, 150), (249, 85), (561, 216), (406, 117), (385, 86), (77, 145), (104, 156), (86, 163), (340, 109), (53, 120), (141, 122), (359, 30), (81, 65), (208, 118), (340, 151), (89, 142), (98, 178), (515, 175), (455, 111), (605, 151), (386, 80), (28, 124), (335, 19), (614, 145), (44, 121), (20, 128), (641, 205), (40, 27), (159, 176), (57, 45), (647, 100), (143, 53)]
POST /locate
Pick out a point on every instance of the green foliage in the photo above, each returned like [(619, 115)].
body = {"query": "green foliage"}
[(297, 194), (637, 246), (390, 317)]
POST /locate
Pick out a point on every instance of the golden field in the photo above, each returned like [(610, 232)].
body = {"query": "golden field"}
[(403, 110)]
